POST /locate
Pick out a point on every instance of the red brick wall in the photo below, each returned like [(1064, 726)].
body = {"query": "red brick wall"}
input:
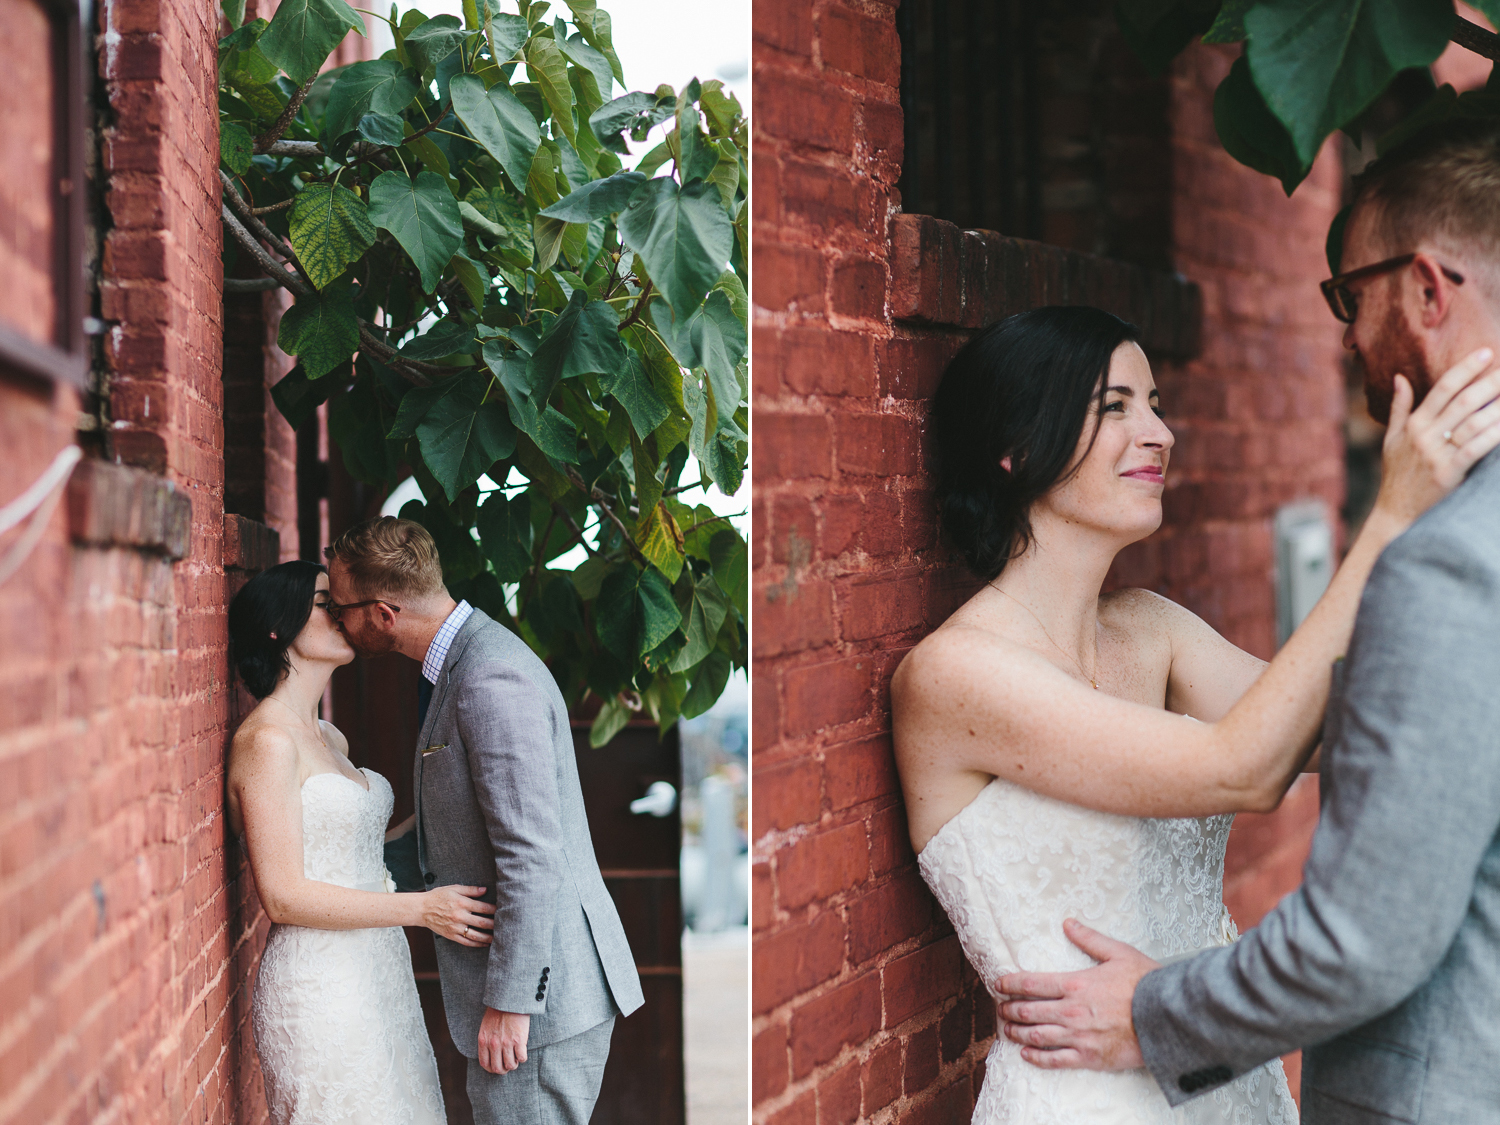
[(863, 1005)]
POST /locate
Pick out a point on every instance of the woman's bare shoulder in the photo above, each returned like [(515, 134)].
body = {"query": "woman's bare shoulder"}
[(261, 746)]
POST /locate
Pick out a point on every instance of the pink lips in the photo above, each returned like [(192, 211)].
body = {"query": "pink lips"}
[(1151, 474)]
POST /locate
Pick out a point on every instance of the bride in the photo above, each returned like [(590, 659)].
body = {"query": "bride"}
[(338, 1025), (1043, 734)]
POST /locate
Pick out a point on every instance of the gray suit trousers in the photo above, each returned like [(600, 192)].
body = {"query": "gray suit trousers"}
[(557, 1084)]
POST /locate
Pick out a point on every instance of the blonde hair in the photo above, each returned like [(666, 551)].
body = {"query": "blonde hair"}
[(391, 556), (1443, 184)]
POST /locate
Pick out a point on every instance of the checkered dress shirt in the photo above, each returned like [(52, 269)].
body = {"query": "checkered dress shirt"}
[(437, 651)]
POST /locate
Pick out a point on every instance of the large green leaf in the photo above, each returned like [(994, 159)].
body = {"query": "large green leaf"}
[(1158, 30), (505, 533), (321, 331), (505, 211), (430, 43), (355, 426), (703, 608), (1229, 24), (459, 433), (632, 387), (1320, 63), (597, 198), (510, 35), (597, 30), (578, 52), (708, 685), (714, 339), (684, 237), (584, 340), (298, 397), (1251, 133), (549, 70), (423, 215), (236, 146), (731, 567), (499, 122), (635, 612), (383, 87), (303, 33), (330, 229)]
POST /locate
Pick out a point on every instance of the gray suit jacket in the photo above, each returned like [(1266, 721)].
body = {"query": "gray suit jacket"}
[(499, 806), (1385, 965)]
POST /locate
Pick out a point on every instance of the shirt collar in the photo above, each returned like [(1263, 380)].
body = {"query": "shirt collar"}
[(437, 651)]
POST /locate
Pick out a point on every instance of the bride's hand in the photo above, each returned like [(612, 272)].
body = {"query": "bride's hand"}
[(1429, 450), (458, 914)]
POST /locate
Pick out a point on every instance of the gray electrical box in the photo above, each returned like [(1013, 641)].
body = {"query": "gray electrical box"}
[(1304, 562)]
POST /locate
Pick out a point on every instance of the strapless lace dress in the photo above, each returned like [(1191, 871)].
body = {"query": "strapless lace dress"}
[(338, 1024), (1012, 865)]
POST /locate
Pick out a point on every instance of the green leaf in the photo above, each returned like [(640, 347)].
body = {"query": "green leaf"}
[(1229, 24), (660, 540), (430, 43), (549, 70), (356, 427), (596, 199), (632, 387), (541, 179), (730, 560), (1251, 133), (321, 331), (1320, 65), (236, 146), (234, 11), (505, 533), (578, 52), (445, 338), (1158, 30), (423, 215), (505, 211), (303, 33), (510, 35), (554, 434), (723, 110), (242, 64), (635, 612), (703, 610), (472, 275), (684, 237), (583, 340), (330, 230), (708, 685), (459, 433), (714, 339), (381, 129), (548, 235), (610, 721), (298, 397), (596, 28), (382, 87), (499, 122)]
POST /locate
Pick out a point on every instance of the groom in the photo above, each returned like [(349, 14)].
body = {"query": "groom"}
[(498, 805), (1385, 964)]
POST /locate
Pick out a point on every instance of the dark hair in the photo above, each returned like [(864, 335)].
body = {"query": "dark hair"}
[(1022, 388), (280, 601)]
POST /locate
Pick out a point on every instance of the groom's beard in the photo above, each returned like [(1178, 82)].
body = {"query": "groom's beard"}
[(1396, 351), (369, 642)]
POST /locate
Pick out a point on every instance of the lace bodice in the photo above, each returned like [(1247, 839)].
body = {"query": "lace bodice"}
[(343, 829), (338, 1024), (1013, 864)]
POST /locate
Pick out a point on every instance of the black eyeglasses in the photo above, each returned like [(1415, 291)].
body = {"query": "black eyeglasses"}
[(335, 611), (1344, 302)]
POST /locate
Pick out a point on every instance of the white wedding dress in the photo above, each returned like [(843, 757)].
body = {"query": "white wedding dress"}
[(1012, 865), (337, 1020)]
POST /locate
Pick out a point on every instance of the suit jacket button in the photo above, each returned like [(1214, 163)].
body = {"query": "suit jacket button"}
[(538, 995), (429, 878)]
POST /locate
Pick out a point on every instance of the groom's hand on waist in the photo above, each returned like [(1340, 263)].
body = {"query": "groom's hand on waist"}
[(502, 1040), (1080, 1019)]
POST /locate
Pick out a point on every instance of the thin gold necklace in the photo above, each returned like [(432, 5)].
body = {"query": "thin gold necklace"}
[(318, 730), (1048, 635)]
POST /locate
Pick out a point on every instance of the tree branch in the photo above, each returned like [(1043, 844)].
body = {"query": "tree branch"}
[(600, 500), (261, 231), (295, 148), (266, 140), (268, 265), (411, 370), (282, 206), (562, 514), (640, 307), (430, 126), (1470, 35), (250, 284)]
